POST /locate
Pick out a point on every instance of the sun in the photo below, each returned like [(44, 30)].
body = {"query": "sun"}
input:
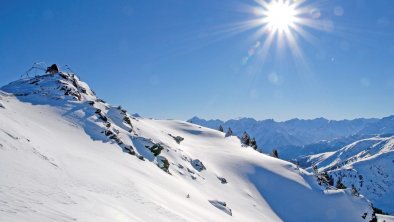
[(280, 16), (280, 23), (284, 22)]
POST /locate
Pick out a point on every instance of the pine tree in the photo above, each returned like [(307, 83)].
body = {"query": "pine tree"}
[(245, 140), (275, 153), (253, 143), (229, 132), (221, 128)]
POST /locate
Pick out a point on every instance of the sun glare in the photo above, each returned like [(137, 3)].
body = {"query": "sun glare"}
[(280, 16), (283, 22)]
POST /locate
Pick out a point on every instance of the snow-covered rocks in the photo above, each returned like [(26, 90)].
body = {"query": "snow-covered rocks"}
[(198, 165), (221, 205)]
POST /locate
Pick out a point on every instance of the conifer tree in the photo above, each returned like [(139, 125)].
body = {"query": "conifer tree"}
[(253, 143), (245, 140), (221, 128), (229, 132), (275, 153)]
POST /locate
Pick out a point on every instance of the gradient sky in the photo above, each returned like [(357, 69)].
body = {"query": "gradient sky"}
[(181, 58)]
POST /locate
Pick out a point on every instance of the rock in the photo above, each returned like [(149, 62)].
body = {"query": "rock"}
[(178, 139), (222, 180), (221, 205), (163, 164), (156, 149), (198, 165), (129, 150), (127, 120)]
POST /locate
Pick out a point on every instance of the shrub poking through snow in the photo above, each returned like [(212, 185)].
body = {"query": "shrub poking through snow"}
[(156, 149), (198, 165)]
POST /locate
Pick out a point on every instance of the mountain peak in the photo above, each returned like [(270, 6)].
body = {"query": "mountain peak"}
[(58, 86)]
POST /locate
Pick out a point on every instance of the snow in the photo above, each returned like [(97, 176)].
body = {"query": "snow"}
[(57, 164), (368, 165), (385, 218)]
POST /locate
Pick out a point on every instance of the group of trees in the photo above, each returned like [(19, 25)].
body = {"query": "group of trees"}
[(245, 139), (228, 133)]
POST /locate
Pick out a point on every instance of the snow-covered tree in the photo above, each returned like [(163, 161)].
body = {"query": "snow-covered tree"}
[(229, 132), (253, 143), (245, 139), (221, 128)]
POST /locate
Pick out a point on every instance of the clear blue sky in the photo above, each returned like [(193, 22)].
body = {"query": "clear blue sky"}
[(180, 58)]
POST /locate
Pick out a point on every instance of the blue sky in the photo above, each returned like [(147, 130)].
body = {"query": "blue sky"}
[(180, 58)]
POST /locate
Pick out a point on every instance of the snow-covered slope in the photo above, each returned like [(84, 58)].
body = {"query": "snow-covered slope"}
[(66, 155), (367, 164)]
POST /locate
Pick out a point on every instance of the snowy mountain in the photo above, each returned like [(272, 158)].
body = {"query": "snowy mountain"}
[(66, 155), (297, 137), (367, 164)]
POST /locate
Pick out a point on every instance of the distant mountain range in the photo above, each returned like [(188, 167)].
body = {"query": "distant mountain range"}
[(297, 137)]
